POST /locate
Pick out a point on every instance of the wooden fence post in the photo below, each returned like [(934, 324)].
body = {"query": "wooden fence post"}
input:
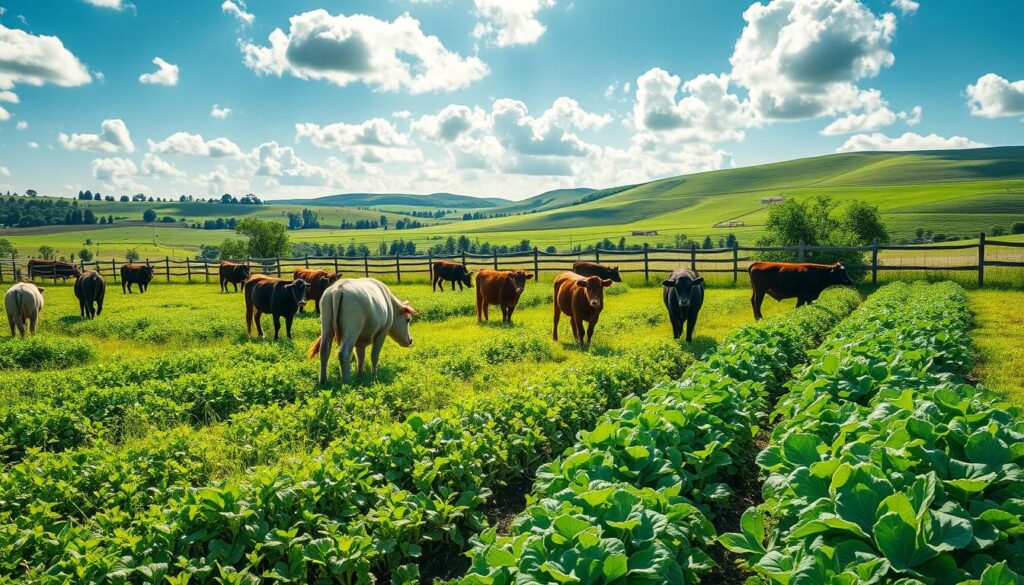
[(278, 260), (430, 264), (536, 264), (981, 260), (113, 269), (693, 256), (647, 275), (398, 266), (366, 264), (495, 259), (874, 262), (206, 269), (307, 260), (800, 254), (463, 257), (167, 267), (597, 255), (735, 261), (188, 269), (335, 263)]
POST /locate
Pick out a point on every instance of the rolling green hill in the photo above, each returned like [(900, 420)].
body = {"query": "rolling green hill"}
[(393, 200)]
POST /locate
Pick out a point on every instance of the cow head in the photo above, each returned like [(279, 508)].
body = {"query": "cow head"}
[(683, 286), (320, 284), (297, 288), (145, 274), (613, 274), (400, 326), (519, 278), (76, 272), (40, 289), (466, 277), (334, 278), (837, 274), (594, 286)]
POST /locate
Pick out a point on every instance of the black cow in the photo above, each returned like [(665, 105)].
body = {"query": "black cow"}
[(139, 274), (452, 272), (90, 288), (52, 269), (584, 268), (232, 273), (683, 293), (280, 298)]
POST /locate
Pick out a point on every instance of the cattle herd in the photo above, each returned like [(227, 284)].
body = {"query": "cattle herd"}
[(360, 312)]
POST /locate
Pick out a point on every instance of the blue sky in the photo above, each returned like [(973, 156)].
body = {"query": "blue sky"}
[(484, 97)]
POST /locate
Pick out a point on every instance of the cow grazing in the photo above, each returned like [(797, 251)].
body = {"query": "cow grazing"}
[(140, 274), (502, 288), (581, 298), (52, 269), (280, 298), (452, 272), (317, 282), (683, 294), (90, 288), (357, 312), (24, 303), (781, 280), (232, 273), (599, 270)]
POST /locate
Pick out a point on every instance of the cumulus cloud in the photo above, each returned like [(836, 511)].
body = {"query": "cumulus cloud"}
[(154, 166), (111, 4), (505, 23), (238, 10), (37, 60), (906, 7), (5, 172), (21, 125), (117, 174), (221, 180), (800, 59), (113, 137), (219, 112), (908, 141), (9, 97), (452, 121), (286, 168), (166, 73), (33, 145), (707, 112), (993, 96), (870, 112), (387, 56), (4, 115), (373, 132), (185, 143)]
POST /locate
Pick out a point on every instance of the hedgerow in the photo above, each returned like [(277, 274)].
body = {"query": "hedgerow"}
[(886, 466), (630, 501)]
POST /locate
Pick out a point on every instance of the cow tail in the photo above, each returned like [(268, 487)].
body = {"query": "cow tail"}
[(313, 349)]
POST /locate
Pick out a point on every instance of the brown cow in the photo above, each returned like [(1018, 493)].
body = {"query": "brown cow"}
[(52, 269), (783, 280), (453, 272), (280, 298), (599, 270), (582, 299), (499, 287), (140, 274), (232, 273), (317, 282)]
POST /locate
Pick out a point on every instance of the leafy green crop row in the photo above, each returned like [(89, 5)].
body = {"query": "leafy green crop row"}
[(371, 503), (630, 501), (888, 468), (37, 353)]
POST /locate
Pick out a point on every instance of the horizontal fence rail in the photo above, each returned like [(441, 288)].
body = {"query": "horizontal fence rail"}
[(650, 262)]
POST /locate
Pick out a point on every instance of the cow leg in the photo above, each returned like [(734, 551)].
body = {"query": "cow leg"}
[(479, 305), (691, 324), (590, 329), (288, 325), (259, 322), (510, 311), (81, 308), (558, 315), (360, 358), (433, 283), (677, 323), (10, 321), (345, 357), (460, 285), (32, 324), (487, 316), (755, 301), (316, 303), (277, 324), (576, 335), (378, 344), (20, 322), (122, 287)]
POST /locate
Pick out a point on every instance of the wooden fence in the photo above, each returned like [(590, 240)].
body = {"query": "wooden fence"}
[(650, 262)]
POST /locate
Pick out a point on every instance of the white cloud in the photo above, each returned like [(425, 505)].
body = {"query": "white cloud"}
[(37, 60), (388, 56), (237, 9), (909, 141), (154, 166), (117, 174), (913, 118), (373, 132), (800, 59), (111, 4), (9, 97), (993, 96), (286, 168), (452, 121), (873, 113), (5, 172), (707, 111), (505, 23), (906, 7), (219, 112), (220, 181), (33, 145), (4, 115), (113, 137), (21, 125), (187, 144), (166, 73)]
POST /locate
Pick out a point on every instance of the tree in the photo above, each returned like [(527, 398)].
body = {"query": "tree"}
[(46, 252), (31, 193), (233, 249), (89, 218), (815, 223), (267, 239), (707, 244), (7, 248), (149, 215), (85, 255), (132, 255), (110, 219), (1017, 227)]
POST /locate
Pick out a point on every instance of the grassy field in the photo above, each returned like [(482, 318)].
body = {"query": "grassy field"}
[(999, 341)]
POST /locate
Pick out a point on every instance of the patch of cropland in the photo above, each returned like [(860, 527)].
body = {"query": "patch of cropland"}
[(631, 500), (886, 466), (39, 353)]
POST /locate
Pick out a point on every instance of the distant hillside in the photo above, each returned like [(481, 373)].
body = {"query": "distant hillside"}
[(432, 201), (547, 200)]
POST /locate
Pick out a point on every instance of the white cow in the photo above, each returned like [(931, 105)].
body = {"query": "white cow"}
[(358, 312), (24, 302)]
